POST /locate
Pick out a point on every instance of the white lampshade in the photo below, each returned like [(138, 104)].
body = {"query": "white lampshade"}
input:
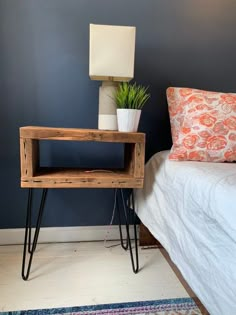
[(112, 49)]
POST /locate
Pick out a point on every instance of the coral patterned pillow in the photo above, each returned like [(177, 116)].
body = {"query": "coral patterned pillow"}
[(203, 125)]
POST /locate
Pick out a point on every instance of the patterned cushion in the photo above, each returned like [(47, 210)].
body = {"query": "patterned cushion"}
[(203, 125)]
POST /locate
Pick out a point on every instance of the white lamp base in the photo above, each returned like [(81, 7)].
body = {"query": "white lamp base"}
[(107, 122), (107, 117)]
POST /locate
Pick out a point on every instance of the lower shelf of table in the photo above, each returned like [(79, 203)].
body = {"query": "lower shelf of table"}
[(81, 178)]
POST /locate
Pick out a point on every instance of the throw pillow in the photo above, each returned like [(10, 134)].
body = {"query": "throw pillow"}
[(203, 125)]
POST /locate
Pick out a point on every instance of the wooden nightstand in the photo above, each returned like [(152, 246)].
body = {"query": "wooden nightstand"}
[(34, 175)]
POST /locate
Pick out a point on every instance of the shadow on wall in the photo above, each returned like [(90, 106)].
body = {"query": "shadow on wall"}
[(156, 124)]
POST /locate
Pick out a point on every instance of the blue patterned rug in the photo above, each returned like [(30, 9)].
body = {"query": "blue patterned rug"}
[(183, 306)]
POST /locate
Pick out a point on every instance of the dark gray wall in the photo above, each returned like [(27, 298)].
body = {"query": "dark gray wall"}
[(44, 47)]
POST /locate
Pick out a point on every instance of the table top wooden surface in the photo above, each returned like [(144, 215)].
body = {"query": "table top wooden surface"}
[(79, 134)]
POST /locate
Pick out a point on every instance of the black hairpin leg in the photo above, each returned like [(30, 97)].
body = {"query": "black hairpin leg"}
[(126, 208), (32, 249), (125, 247)]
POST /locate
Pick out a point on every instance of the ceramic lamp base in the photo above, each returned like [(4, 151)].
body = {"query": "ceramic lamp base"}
[(107, 118), (107, 122)]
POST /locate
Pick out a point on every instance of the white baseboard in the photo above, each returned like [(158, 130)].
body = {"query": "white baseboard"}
[(65, 234)]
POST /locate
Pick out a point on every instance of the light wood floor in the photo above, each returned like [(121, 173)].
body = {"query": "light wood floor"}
[(74, 274)]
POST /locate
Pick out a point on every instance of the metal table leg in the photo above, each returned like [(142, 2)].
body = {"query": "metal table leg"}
[(31, 249), (126, 209)]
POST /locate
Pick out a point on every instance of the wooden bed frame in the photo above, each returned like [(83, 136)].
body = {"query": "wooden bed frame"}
[(146, 239)]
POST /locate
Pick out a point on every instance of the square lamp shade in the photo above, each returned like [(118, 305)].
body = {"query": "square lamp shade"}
[(111, 60)]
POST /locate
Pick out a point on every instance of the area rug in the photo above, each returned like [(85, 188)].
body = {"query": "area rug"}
[(183, 306)]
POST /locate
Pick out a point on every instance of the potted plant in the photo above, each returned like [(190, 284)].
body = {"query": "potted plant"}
[(130, 99)]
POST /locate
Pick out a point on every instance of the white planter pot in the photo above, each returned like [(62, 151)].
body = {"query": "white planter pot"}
[(128, 119)]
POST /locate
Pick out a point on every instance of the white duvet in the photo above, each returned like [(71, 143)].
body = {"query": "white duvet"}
[(190, 207)]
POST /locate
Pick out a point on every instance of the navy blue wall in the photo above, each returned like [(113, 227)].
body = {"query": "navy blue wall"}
[(44, 47)]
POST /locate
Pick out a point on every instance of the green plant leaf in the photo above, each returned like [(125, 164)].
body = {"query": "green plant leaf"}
[(130, 95)]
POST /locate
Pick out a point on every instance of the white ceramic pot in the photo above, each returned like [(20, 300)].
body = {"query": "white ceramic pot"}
[(128, 119)]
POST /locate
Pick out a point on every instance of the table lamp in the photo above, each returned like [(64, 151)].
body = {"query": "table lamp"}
[(111, 60)]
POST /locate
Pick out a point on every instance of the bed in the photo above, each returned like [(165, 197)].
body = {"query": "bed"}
[(190, 208)]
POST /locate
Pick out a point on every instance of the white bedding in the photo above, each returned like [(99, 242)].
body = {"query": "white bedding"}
[(190, 207)]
